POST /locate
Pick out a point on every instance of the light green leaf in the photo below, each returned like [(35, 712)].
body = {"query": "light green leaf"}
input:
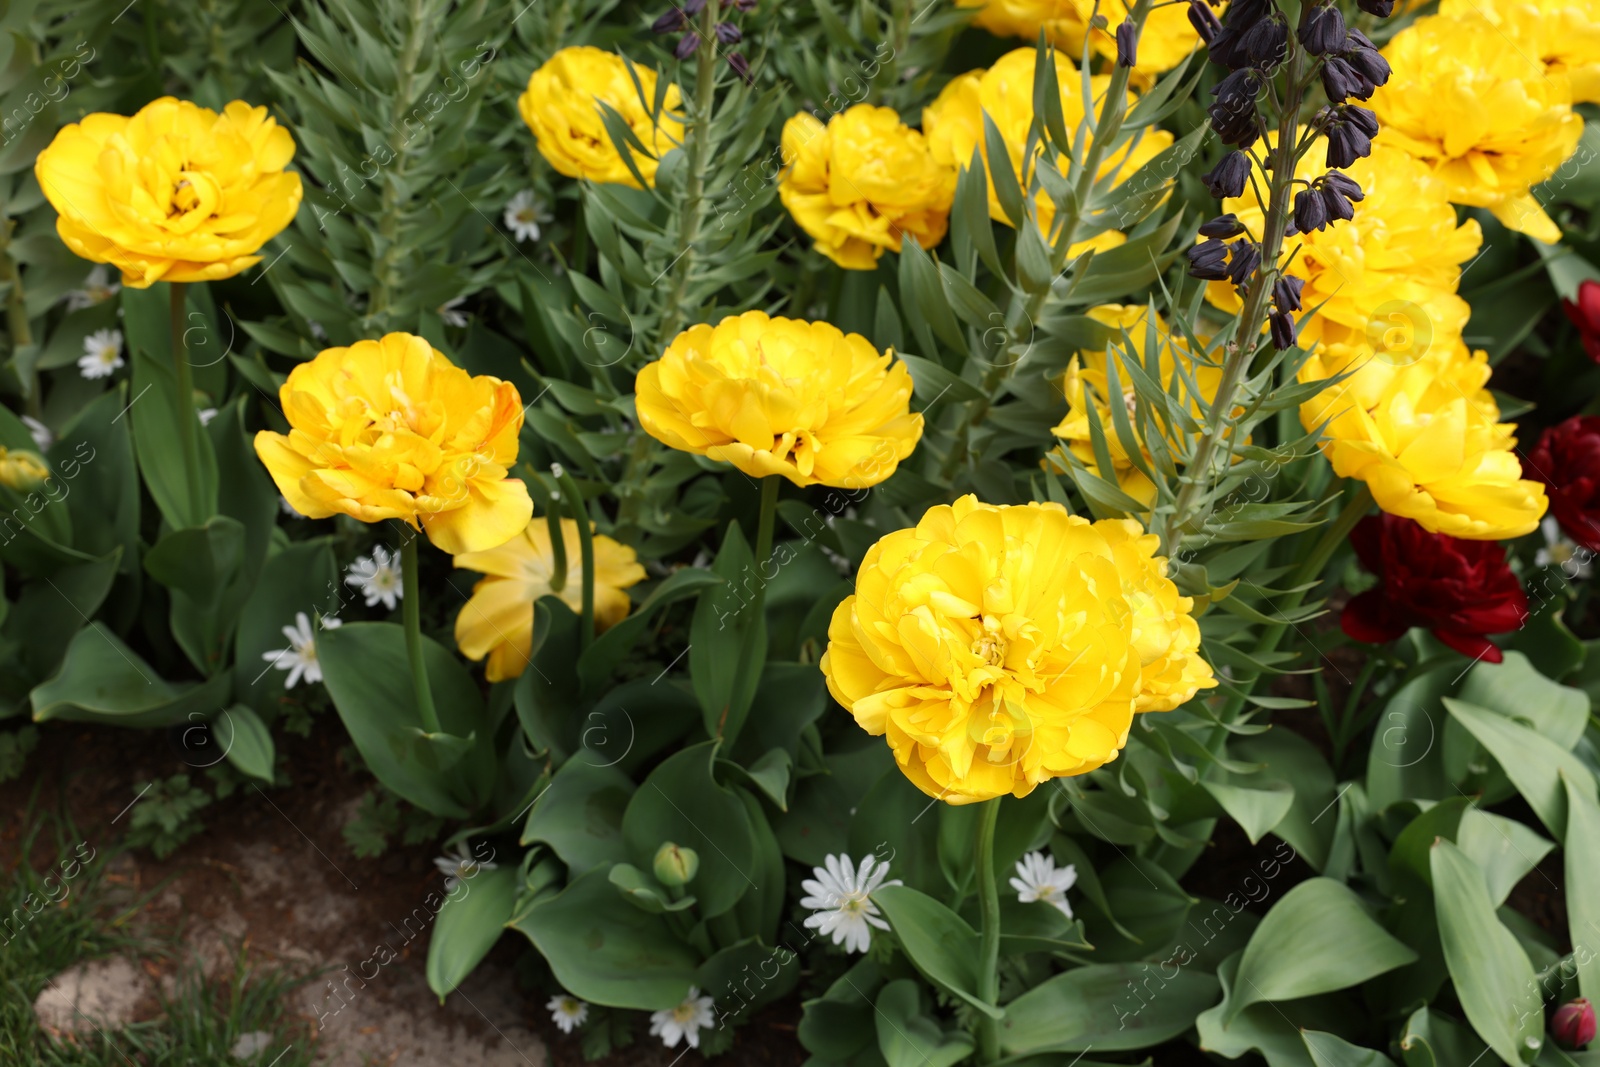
[(246, 741), (1504, 849), (908, 1038), (1257, 811), (1330, 1050), (471, 919), (1533, 763), (939, 942), (1582, 855), (1095, 1007)]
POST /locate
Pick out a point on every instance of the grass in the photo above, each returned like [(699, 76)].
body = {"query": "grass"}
[(199, 1022)]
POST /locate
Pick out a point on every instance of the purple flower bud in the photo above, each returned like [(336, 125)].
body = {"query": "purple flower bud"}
[(1227, 48), (1204, 20), (741, 67), (1359, 117), (1310, 212), (1341, 80), (1573, 1024), (728, 33), (671, 22), (1381, 8), (1228, 177), (1339, 209), (1127, 43), (1208, 261), (1223, 226), (1323, 33), (687, 45), (693, 7), (1239, 89), (1346, 185), (1244, 257), (1369, 64), (1282, 330), (1346, 144), (1235, 127), (739, 5), (1286, 293), (1267, 42)]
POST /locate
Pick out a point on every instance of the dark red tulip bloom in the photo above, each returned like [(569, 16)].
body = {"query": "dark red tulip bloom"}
[(1585, 315), (1460, 590), (1567, 461), (1573, 1023)]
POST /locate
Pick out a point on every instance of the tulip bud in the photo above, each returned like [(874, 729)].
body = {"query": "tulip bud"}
[(1573, 1023), (21, 470), (675, 865)]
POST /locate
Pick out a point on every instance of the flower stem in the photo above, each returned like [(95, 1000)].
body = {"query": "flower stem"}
[(580, 515), (766, 521), (411, 602), (187, 419), (989, 950), (692, 209)]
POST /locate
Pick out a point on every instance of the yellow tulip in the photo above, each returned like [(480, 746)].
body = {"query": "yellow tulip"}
[(176, 193), (391, 429), (562, 106), (1000, 647), (22, 470), (953, 125), (497, 621), (1168, 36), (1484, 114), (780, 396), (860, 183), (1564, 34)]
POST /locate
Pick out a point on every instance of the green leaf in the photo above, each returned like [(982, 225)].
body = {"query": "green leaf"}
[(1432, 1040), (908, 1038), (1582, 856), (154, 412), (1257, 811), (932, 381), (1317, 939), (246, 741), (1002, 178), (682, 803), (580, 814), (471, 919), (1517, 690), (606, 953), (1097, 1007), (642, 892), (1493, 978), (103, 680), (841, 1022), (1505, 850), (728, 639), (939, 942), (1330, 1050), (1534, 763)]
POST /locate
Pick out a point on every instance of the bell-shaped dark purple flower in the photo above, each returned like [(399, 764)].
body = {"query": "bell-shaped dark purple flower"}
[(1223, 226), (1267, 42), (728, 33), (1127, 43), (693, 7), (1243, 259), (1286, 293), (1346, 144), (1341, 80), (1204, 20), (1227, 179), (1347, 186), (671, 22), (1282, 330), (1310, 213), (1227, 48), (1381, 8), (1339, 207), (1369, 64), (1208, 261), (1239, 89), (1361, 118), (687, 45), (741, 67), (1322, 31)]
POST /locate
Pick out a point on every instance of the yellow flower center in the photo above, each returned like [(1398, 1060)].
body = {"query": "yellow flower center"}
[(991, 649)]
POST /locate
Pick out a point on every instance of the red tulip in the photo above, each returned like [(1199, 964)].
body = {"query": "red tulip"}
[(1567, 461), (1460, 590), (1585, 315), (1573, 1023)]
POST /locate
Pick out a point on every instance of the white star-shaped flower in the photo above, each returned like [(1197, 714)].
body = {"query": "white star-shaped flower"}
[(567, 1011), (460, 865), (523, 216), (684, 1022), (102, 353), (206, 415), (1038, 878), (42, 437), (839, 898), (449, 313), (377, 576), (1574, 560), (97, 288), (300, 658)]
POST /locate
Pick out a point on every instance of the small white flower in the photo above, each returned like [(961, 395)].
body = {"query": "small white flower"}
[(1038, 878), (288, 508), (685, 1021), (250, 1044), (451, 316), (300, 658), (378, 576), (839, 899), (102, 353), (317, 332), (1574, 560), (42, 437), (460, 866), (206, 415), (567, 1011), (97, 288), (523, 215)]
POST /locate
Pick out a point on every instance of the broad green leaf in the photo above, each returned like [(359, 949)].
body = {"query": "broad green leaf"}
[(1581, 849), (1533, 763), (1504, 849), (605, 952), (103, 680), (471, 919), (939, 942), (1513, 688), (1309, 824), (840, 1023), (1493, 979), (747, 975), (1406, 759), (1271, 1029), (154, 412), (728, 639), (642, 892), (51, 610), (580, 814), (1330, 1050), (246, 741), (1257, 811), (898, 823), (1097, 1007), (1317, 939), (1432, 1040), (908, 1038)]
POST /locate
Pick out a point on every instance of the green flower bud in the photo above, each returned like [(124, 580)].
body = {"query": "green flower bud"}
[(676, 865)]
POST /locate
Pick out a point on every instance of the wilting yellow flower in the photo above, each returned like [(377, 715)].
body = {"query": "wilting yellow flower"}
[(176, 193), (562, 107), (1564, 34), (780, 396), (1088, 369), (391, 429), (22, 470), (1480, 111), (1000, 647), (1166, 39), (497, 621), (1396, 265), (860, 183), (953, 124), (1424, 432)]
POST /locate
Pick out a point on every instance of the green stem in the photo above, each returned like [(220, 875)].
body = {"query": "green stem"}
[(411, 603), (187, 420), (989, 950), (580, 515), (692, 210), (767, 520), (17, 315)]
